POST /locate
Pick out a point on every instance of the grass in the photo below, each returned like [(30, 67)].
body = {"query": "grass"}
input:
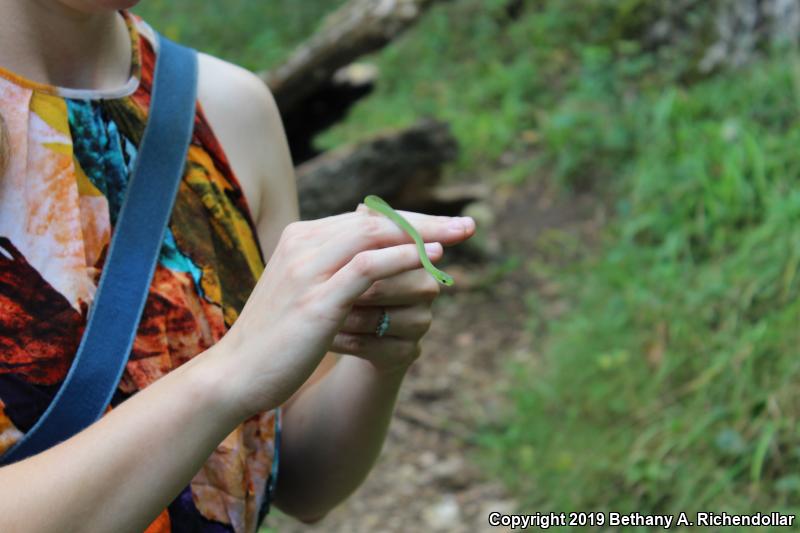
[(470, 68), (253, 33), (497, 80), (672, 384), (470, 65)]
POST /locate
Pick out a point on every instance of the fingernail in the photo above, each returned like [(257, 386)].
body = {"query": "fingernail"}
[(469, 223), (457, 225), (431, 247)]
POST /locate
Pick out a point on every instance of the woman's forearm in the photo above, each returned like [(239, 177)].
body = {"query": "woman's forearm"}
[(118, 474), (331, 436)]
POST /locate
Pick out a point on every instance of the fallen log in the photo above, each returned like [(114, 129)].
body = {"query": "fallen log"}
[(315, 87), (396, 165), (357, 28), (449, 200), (325, 108)]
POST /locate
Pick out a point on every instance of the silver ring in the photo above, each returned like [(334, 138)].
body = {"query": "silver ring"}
[(383, 326)]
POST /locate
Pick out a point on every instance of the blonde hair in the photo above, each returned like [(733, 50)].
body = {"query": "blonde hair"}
[(5, 148)]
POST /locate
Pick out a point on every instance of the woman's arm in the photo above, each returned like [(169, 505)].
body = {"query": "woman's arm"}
[(118, 474), (334, 427), (333, 432)]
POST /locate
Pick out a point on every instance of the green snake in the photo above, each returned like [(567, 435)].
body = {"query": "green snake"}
[(379, 204)]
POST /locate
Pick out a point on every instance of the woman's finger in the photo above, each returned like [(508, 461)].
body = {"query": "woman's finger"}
[(387, 349), (413, 217), (327, 227), (407, 288), (361, 232), (369, 266), (410, 322)]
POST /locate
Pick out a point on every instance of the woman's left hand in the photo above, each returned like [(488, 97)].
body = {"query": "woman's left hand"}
[(407, 298)]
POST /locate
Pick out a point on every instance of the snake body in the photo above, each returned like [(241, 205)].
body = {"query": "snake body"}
[(379, 204)]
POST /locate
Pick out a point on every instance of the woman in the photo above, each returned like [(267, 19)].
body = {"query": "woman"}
[(189, 440)]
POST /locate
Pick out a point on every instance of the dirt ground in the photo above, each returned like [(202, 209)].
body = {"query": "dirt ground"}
[(426, 478)]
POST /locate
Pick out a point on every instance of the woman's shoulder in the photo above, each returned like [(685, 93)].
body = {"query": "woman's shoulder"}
[(245, 118), (235, 89)]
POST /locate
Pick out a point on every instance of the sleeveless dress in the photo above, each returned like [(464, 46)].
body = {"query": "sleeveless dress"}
[(71, 154)]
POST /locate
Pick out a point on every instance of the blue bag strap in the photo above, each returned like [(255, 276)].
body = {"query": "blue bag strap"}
[(131, 260)]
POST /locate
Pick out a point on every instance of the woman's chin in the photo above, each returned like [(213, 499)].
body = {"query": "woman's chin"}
[(94, 6), (118, 4)]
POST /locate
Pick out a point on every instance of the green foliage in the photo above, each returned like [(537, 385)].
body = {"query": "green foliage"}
[(556, 70), (253, 33), (465, 63), (560, 69), (672, 383)]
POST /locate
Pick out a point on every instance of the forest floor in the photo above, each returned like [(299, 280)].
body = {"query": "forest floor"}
[(427, 478)]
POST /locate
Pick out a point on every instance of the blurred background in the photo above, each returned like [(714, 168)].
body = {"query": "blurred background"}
[(623, 332)]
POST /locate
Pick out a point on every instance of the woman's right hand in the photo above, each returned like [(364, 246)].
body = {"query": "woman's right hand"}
[(317, 271)]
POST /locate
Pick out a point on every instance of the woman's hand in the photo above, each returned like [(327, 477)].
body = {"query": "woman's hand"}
[(407, 299), (318, 271)]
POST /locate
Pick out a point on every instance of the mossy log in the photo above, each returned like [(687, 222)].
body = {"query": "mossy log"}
[(400, 166), (314, 88)]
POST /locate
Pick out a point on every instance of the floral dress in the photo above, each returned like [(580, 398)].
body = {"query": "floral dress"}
[(72, 152)]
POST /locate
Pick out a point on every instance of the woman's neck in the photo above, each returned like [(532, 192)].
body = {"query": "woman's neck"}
[(48, 42)]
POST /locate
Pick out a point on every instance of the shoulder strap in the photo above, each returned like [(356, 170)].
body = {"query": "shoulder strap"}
[(131, 259)]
